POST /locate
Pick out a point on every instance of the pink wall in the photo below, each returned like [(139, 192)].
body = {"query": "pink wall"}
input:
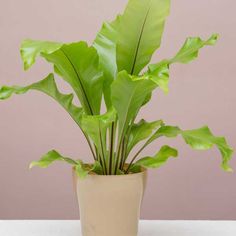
[(203, 92)]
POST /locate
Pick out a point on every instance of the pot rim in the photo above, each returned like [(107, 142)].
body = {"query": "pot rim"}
[(142, 172)]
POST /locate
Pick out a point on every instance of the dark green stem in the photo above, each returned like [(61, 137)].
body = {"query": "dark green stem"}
[(103, 153), (135, 156), (111, 148)]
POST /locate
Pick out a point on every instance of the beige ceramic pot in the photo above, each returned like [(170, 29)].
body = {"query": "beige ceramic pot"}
[(110, 205)]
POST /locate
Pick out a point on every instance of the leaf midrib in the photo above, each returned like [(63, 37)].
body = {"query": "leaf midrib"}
[(126, 116), (79, 79), (139, 40)]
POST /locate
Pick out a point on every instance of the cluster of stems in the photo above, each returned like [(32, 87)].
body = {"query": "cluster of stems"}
[(112, 153)]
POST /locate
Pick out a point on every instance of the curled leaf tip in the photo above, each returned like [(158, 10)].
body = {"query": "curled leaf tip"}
[(227, 168), (32, 164), (213, 39)]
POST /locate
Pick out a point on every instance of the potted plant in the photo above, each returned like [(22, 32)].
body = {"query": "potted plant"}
[(116, 69)]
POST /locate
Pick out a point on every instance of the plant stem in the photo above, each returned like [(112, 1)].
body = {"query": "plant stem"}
[(122, 154), (102, 149), (135, 156), (125, 155), (90, 146), (111, 148)]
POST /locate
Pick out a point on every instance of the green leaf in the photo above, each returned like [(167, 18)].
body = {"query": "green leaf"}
[(189, 51), (81, 169), (97, 168), (31, 49), (128, 94), (77, 63), (167, 131), (142, 131), (202, 139), (140, 32), (49, 87), (105, 44), (199, 139), (160, 73), (159, 159), (96, 127), (51, 157)]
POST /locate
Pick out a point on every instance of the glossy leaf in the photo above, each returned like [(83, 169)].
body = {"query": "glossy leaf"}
[(31, 49), (96, 126), (77, 63), (105, 44), (189, 51), (202, 139), (167, 131), (82, 170), (199, 139), (128, 93), (49, 87), (51, 157), (142, 131), (159, 159), (140, 32)]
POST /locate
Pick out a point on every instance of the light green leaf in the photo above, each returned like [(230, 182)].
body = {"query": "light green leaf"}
[(160, 73), (140, 32), (31, 49), (82, 170), (96, 126), (97, 168), (159, 159), (167, 131), (199, 139), (77, 63), (202, 139), (189, 51), (105, 44), (128, 93), (51, 157), (49, 87), (142, 131)]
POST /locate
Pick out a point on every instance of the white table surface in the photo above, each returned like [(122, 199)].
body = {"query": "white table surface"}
[(146, 228)]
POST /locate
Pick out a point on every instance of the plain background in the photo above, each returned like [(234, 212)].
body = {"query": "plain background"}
[(203, 92)]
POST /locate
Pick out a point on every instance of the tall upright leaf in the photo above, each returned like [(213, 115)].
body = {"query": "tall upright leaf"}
[(140, 32), (77, 63), (128, 94), (105, 44), (47, 86), (96, 127), (188, 52)]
